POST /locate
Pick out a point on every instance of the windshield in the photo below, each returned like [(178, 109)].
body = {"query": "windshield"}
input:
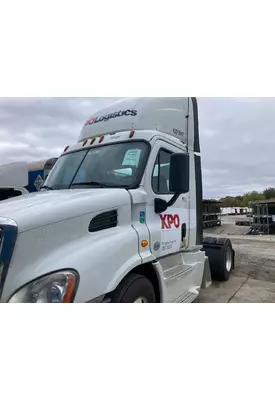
[(113, 165)]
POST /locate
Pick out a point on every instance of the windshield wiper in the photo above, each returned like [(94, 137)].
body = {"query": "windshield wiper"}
[(47, 187), (92, 183)]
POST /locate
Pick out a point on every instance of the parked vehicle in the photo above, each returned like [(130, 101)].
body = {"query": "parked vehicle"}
[(21, 178), (13, 179), (120, 216), (38, 173)]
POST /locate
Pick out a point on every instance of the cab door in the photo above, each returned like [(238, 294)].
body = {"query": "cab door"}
[(169, 231)]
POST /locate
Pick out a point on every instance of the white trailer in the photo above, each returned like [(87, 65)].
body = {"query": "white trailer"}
[(13, 179), (120, 216)]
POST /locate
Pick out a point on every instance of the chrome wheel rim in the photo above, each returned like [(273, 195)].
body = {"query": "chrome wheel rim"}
[(141, 300), (228, 259)]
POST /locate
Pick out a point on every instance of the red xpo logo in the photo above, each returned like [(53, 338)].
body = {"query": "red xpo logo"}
[(169, 220)]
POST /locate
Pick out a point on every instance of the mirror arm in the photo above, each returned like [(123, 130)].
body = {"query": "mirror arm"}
[(162, 205), (173, 200)]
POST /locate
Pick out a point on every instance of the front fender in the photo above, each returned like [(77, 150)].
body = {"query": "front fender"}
[(101, 259)]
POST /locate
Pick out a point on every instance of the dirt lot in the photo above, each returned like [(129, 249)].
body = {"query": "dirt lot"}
[(253, 280)]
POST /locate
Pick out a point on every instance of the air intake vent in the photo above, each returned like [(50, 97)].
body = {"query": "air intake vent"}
[(104, 221)]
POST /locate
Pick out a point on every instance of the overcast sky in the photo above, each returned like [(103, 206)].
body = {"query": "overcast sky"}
[(237, 136)]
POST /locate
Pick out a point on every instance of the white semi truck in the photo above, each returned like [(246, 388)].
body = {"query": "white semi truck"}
[(120, 216)]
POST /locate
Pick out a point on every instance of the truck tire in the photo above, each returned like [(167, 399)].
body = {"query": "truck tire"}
[(221, 257), (134, 289)]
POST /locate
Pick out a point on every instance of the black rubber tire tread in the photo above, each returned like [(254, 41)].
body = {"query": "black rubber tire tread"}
[(133, 287), (222, 241), (217, 260), (209, 240)]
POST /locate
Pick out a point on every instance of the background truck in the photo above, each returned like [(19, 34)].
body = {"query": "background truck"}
[(119, 218), (13, 179), (38, 173), (21, 178)]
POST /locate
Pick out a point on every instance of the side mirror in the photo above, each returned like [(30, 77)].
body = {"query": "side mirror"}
[(178, 181), (179, 173)]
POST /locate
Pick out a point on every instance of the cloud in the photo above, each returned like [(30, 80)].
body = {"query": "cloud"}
[(239, 157), (237, 136), (38, 128)]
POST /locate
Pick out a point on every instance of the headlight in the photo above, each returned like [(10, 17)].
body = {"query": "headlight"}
[(59, 287)]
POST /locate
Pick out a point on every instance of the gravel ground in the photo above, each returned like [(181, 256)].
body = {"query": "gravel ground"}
[(253, 279)]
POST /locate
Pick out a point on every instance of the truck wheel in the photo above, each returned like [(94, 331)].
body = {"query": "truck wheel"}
[(227, 260), (221, 257), (134, 289)]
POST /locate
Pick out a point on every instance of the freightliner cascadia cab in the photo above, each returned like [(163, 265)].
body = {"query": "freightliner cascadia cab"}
[(122, 214)]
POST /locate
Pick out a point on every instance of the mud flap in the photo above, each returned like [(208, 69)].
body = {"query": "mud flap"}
[(206, 279)]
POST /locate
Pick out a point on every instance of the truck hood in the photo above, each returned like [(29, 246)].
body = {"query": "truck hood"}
[(48, 207)]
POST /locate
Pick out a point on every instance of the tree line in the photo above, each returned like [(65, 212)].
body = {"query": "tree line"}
[(243, 201)]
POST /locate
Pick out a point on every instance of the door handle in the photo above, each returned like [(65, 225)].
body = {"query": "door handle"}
[(183, 232)]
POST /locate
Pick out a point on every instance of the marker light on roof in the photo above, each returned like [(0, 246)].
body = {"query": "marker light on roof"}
[(101, 139), (92, 141), (85, 142), (131, 134), (66, 148)]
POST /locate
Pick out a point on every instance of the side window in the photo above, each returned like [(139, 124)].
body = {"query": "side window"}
[(160, 178)]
